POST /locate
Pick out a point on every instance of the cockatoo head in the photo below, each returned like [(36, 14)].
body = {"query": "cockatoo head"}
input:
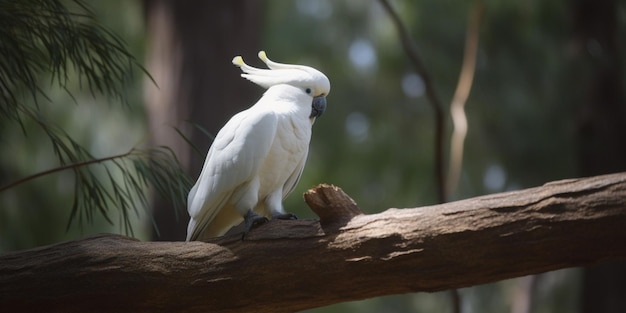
[(311, 81)]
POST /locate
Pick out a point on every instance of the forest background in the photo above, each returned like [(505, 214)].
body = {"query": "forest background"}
[(547, 103)]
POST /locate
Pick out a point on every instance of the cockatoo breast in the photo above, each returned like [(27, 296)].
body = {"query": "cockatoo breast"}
[(290, 147)]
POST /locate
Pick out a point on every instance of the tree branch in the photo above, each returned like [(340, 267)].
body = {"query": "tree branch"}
[(440, 123), (63, 168), (463, 87), (285, 266)]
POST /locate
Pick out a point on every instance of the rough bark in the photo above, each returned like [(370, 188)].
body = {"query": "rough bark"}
[(285, 266)]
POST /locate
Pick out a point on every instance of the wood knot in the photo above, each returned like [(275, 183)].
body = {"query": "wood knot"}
[(334, 207)]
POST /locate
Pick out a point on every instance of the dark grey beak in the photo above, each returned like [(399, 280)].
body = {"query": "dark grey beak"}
[(318, 106)]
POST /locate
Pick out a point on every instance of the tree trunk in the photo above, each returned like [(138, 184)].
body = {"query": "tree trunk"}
[(285, 266), (602, 129), (190, 46)]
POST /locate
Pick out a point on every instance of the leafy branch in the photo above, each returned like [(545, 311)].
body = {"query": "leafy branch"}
[(60, 169), (126, 177), (44, 37)]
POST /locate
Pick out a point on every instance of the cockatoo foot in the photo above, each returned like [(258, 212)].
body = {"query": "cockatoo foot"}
[(252, 220), (284, 216)]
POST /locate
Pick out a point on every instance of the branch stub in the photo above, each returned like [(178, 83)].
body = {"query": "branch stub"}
[(334, 207)]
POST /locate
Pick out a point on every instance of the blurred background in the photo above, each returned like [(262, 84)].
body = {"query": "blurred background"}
[(547, 103)]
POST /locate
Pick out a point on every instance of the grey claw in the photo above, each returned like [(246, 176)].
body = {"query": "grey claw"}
[(252, 220)]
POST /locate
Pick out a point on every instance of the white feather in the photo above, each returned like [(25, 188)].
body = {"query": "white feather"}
[(257, 158)]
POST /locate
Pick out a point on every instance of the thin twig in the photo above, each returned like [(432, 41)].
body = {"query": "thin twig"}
[(62, 168), (460, 97), (457, 107), (411, 52)]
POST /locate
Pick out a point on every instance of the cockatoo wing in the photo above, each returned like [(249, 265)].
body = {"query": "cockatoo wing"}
[(234, 159)]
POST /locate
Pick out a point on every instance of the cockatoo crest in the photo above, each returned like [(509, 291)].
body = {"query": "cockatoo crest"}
[(257, 158), (280, 73)]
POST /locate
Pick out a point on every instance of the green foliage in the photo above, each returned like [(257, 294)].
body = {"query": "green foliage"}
[(45, 38), (42, 36)]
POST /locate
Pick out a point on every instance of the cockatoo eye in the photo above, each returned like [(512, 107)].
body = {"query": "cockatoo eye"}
[(308, 90)]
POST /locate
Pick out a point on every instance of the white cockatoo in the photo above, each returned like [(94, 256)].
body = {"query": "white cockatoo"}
[(257, 158)]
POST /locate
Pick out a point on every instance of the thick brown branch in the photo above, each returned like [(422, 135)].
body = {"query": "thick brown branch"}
[(285, 266)]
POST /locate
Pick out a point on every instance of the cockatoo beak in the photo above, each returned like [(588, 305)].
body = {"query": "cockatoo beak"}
[(318, 106)]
